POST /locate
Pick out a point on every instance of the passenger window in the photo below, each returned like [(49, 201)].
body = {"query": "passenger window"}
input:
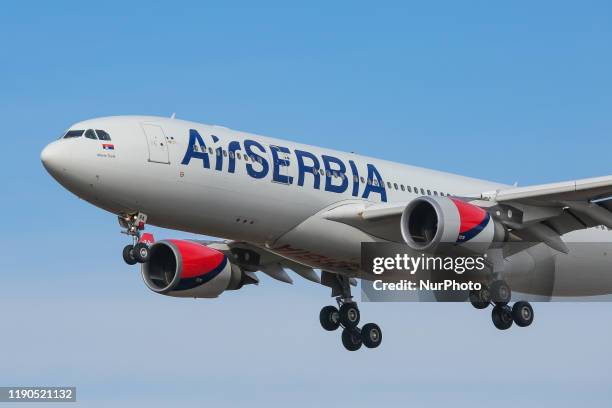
[(238, 156), (435, 192), (369, 182), (321, 172), (246, 158), (389, 184), (355, 179), (225, 153), (402, 186), (102, 135), (416, 190), (395, 185), (362, 179), (90, 134), (210, 151), (409, 189), (428, 192), (73, 133), (422, 192)]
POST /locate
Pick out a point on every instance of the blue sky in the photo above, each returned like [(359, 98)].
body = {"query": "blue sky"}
[(507, 92)]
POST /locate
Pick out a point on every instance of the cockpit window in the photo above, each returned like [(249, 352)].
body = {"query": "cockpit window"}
[(90, 134), (102, 135), (73, 133)]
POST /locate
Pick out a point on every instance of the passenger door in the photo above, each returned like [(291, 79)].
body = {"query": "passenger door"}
[(157, 143)]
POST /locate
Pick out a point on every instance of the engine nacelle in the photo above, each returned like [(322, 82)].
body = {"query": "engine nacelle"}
[(439, 224), (189, 269)]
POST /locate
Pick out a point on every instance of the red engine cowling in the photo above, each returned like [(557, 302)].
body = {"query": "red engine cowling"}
[(433, 224), (189, 269)]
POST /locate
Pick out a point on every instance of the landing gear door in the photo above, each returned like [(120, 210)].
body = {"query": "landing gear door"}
[(281, 161), (157, 143)]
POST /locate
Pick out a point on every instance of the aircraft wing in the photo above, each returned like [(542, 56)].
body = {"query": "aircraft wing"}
[(576, 190), (539, 213), (252, 258), (562, 207)]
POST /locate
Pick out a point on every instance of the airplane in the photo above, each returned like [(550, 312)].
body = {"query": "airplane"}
[(277, 206)]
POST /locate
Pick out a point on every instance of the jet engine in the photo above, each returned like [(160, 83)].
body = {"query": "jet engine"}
[(437, 224), (190, 269)]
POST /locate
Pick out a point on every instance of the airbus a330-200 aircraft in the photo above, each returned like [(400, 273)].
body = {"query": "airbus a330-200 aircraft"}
[(278, 206)]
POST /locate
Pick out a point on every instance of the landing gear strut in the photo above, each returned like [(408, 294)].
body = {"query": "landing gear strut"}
[(137, 252), (498, 294), (347, 316)]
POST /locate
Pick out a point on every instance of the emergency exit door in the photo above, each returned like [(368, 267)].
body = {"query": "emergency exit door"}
[(157, 143)]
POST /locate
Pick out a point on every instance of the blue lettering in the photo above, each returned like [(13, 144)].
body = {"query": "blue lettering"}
[(232, 148), (340, 171), (196, 149), (278, 163), (219, 161), (355, 192), (304, 169), (375, 184), (248, 144)]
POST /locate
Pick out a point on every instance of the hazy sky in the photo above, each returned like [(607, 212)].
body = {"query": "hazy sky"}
[(509, 92)]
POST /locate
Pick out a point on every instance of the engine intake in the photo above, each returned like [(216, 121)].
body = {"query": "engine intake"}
[(189, 269), (433, 224)]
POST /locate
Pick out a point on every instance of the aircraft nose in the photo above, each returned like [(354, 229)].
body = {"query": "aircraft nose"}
[(51, 158)]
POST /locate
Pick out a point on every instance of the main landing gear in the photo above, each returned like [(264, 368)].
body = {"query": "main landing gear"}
[(347, 316), (137, 252), (498, 294)]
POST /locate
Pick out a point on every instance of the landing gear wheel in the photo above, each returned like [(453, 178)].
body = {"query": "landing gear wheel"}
[(127, 255), (522, 314), (351, 339), (371, 335), (329, 318), (141, 252), (500, 292), (349, 315), (480, 299), (502, 317)]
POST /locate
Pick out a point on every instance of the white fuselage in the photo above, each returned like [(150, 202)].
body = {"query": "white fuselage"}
[(155, 169)]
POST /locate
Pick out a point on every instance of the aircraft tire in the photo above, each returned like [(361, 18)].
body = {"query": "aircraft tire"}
[(349, 315), (500, 292), (127, 255), (141, 252), (329, 318), (522, 314), (371, 335), (351, 339), (502, 317), (480, 299)]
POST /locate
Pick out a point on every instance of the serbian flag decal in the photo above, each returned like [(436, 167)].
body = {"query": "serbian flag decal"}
[(108, 146)]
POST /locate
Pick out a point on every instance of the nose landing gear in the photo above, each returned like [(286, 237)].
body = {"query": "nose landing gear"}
[(137, 252), (498, 294), (347, 316)]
